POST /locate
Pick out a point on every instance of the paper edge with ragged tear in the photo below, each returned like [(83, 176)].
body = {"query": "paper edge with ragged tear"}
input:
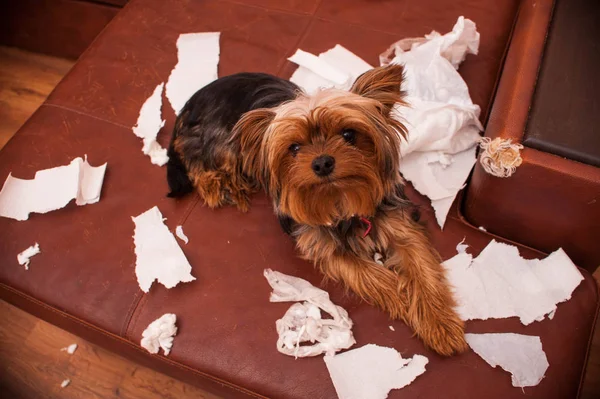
[(556, 274), (158, 255), (345, 373), (197, 65), (148, 125), (52, 189), (529, 346)]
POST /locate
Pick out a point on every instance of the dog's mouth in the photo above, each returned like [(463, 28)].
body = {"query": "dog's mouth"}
[(337, 182)]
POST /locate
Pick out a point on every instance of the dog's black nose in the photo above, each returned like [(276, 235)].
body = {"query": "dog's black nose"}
[(323, 165)]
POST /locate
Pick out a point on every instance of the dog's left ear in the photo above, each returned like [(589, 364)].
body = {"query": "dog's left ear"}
[(381, 84), (249, 132)]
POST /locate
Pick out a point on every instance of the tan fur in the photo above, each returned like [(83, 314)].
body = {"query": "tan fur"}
[(412, 285)]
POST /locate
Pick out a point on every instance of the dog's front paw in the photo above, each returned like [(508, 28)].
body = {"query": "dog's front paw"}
[(446, 336)]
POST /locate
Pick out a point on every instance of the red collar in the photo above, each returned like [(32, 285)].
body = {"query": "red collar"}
[(369, 226)]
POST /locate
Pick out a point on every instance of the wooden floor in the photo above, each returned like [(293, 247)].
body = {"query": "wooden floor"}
[(32, 365)]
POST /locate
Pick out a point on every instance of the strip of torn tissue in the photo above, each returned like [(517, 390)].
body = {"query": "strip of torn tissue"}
[(197, 62), (24, 257), (148, 125), (52, 189)]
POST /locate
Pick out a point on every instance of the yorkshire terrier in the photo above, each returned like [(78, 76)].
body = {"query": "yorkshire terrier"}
[(330, 164)]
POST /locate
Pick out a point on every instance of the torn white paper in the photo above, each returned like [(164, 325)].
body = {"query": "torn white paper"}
[(197, 61), (24, 257), (52, 189), (180, 234), (70, 349), (65, 383), (370, 372), (442, 121), (461, 247), (392, 328), (520, 355), (148, 124), (303, 322), (499, 283), (158, 256), (160, 334), (336, 67)]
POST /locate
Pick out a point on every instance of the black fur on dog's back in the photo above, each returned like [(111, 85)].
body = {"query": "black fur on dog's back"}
[(206, 121)]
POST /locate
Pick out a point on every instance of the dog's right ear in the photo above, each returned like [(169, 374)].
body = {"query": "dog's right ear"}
[(249, 132), (381, 84)]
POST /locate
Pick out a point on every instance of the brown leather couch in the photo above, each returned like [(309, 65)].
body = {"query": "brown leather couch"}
[(84, 279)]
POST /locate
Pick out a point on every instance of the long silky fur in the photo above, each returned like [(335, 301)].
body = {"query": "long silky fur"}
[(236, 136)]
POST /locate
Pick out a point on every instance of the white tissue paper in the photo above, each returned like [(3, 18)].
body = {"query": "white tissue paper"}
[(499, 283), (442, 121), (24, 257), (65, 383), (303, 322), (158, 256), (461, 247), (52, 189), (70, 349), (520, 355), (370, 372), (336, 67), (148, 124), (180, 234), (197, 61), (160, 334)]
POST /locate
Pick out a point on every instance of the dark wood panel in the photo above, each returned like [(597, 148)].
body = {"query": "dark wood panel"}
[(62, 28)]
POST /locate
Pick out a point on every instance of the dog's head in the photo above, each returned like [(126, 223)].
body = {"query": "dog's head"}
[(330, 156)]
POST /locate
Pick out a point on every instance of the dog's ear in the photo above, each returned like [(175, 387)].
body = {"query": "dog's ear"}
[(381, 84), (249, 132)]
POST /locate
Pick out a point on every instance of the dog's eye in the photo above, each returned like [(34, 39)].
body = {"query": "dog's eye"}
[(294, 148), (349, 135)]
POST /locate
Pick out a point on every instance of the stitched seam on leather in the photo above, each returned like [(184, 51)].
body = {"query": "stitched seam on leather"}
[(189, 209), (128, 342), (64, 108), (303, 14), (132, 322), (137, 305), (590, 340), (129, 313)]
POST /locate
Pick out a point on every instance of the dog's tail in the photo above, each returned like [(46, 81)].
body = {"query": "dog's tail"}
[(177, 176)]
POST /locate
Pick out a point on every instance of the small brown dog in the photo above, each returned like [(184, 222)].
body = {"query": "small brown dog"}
[(330, 164)]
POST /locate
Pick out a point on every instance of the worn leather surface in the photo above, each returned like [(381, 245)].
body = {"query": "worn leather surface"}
[(84, 278), (550, 201), (62, 28), (565, 109)]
